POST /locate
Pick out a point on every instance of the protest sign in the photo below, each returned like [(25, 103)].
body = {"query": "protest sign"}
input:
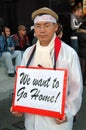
[(40, 91)]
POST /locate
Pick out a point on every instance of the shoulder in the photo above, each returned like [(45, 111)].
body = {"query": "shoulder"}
[(1, 36), (27, 54), (29, 50), (67, 49), (15, 36), (2, 39), (73, 16), (10, 38)]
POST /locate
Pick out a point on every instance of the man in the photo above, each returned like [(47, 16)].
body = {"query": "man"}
[(9, 53), (45, 26), (76, 17), (21, 40), (76, 21)]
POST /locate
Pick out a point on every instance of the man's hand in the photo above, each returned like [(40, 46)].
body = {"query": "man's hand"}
[(60, 121), (15, 113), (12, 48)]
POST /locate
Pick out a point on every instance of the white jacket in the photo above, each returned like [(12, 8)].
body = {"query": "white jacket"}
[(68, 59)]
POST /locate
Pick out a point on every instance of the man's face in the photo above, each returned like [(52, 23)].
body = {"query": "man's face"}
[(44, 32), (79, 12), (22, 32), (7, 32)]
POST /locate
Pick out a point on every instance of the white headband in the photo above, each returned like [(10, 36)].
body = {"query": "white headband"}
[(44, 18)]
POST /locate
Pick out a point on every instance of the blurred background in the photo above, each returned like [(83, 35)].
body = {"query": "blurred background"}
[(16, 12)]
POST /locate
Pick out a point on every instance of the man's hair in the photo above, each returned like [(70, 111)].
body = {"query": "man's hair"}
[(5, 27), (77, 7)]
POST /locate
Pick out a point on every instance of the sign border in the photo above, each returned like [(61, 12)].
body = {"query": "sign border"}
[(40, 111)]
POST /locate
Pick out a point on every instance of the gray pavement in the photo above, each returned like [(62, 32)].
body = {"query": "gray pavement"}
[(9, 122), (80, 123)]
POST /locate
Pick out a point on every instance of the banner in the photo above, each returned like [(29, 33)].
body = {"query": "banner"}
[(40, 91)]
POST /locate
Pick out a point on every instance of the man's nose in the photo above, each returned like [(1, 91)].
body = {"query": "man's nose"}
[(42, 28)]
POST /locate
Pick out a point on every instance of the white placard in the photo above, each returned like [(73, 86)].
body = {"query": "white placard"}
[(41, 89)]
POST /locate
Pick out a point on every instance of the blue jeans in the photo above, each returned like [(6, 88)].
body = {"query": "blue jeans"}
[(8, 57), (74, 43)]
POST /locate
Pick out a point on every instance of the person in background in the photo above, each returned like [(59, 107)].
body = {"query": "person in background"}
[(76, 21), (76, 17), (34, 39), (45, 27), (78, 36), (60, 31), (21, 39), (9, 53)]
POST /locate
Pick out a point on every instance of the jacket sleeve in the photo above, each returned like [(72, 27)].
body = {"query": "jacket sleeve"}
[(2, 43), (74, 23)]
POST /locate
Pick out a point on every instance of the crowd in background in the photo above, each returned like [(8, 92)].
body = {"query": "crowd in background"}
[(12, 46)]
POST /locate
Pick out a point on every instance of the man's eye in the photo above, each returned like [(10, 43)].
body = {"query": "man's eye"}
[(37, 26), (47, 26)]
